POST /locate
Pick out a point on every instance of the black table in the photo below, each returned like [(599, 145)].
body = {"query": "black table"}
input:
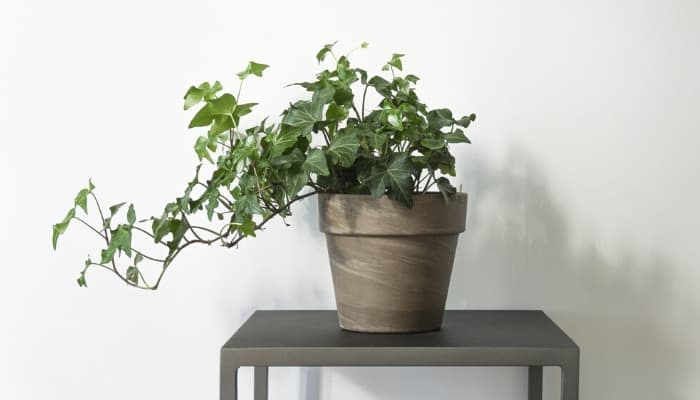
[(467, 338)]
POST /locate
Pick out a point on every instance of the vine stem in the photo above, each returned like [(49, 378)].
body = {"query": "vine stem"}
[(269, 217)]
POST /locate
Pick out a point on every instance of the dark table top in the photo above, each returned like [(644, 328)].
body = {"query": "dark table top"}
[(461, 329)]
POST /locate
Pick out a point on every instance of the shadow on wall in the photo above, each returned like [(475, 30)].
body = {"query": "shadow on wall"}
[(518, 252)]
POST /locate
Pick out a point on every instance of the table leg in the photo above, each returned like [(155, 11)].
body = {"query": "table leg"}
[(569, 381), (228, 384), (260, 386), (534, 382)]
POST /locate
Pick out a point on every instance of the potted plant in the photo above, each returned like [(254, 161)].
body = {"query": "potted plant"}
[(391, 240)]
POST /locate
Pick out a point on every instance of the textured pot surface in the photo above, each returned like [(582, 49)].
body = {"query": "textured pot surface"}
[(391, 265)]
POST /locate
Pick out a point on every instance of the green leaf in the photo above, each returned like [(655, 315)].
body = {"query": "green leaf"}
[(203, 117), (222, 123), (212, 202), (377, 140), (303, 115), (343, 96), (120, 241), (466, 120), (393, 117), (336, 112), (412, 78), (253, 68), (60, 228), (343, 149), (138, 259), (381, 85), (456, 137), (364, 45), (445, 187), (295, 157), (132, 275), (323, 96), (295, 182), (248, 204), (81, 199), (81, 280), (395, 61), (316, 163), (204, 91), (395, 177), (440, 118), (432, 144), (246, 227), (321, 55), (131, 215), (223, 105), (200, 147), (115, 208), (284, 139)]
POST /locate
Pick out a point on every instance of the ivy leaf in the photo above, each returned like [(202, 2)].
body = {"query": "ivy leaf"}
[(138, 259), (121, 240), (203, 117), (336, 112), (60, 228), (323, 96), (295, 182), (204, 91), (412, 78), (81, 280), (248, 204), (321, 55), (303, 115), (81, 199), (223, 105), (295, 157), (432, 144), (440, 118), (381, 85), (131, 215), (466, 120), (343, 96), (395, 177), (212, 202), (284, 139), (394, 62), (377, 140), (343, 149), (246, 227), (316, 163), (200, 147), (132, 275), (253, 68), (364, 45), (113, 210), (456, 137), (445, 187)]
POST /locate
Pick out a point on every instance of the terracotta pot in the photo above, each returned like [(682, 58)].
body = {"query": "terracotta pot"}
[(391, 265)]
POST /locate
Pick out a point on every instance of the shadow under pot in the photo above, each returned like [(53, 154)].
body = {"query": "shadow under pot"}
[(391, 265)]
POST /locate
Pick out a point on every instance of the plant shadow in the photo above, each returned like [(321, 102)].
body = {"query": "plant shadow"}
[(519, 253)]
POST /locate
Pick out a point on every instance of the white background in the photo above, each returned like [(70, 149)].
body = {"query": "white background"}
[(583, 183)]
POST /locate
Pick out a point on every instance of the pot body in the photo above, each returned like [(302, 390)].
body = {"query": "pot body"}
[(391, 265)]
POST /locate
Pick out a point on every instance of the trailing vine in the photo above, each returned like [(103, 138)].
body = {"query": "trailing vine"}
[(324, 143)]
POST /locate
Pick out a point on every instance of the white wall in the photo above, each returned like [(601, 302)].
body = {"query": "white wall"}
[(583, 179)]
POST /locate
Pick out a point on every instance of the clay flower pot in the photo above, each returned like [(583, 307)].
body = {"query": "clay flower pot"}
[(391, 265)]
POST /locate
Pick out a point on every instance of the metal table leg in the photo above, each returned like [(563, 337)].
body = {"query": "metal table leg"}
[(260, 385), (228, 383), (569, 381), (534, 382)]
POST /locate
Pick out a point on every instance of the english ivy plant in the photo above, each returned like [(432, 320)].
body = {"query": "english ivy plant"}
[(328, 142)]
